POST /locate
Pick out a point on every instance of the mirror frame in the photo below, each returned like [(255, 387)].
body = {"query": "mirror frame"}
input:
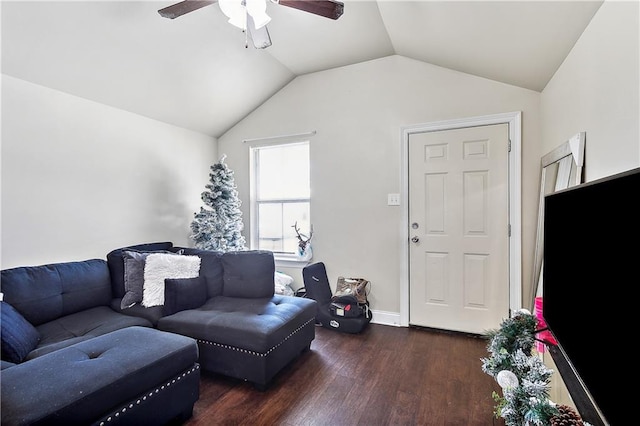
[(560, 169)]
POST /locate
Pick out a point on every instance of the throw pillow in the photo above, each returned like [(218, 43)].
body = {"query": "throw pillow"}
[(158, 267), (116, 262), (184, 293), (134, 261), (133, 277), (18, 336)]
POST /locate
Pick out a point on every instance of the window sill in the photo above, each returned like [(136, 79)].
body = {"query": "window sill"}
[(289, 261)]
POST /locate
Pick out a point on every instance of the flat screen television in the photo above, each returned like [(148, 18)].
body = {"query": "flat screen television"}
[(591, 263)]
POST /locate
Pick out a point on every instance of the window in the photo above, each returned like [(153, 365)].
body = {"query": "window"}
[(281, 191)]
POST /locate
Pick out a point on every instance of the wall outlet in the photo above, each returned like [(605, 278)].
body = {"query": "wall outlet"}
[(393, 199)]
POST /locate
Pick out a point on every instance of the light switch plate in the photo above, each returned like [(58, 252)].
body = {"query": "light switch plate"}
[(393, 199)]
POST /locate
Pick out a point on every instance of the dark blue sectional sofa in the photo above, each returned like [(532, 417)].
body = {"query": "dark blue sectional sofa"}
[(74, 353)]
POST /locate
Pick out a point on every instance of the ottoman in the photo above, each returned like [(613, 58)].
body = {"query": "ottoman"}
[(136, 375), (251, 339)]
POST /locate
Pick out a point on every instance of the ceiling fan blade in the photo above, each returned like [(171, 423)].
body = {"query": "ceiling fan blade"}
[(183, 7), (259, 36), (331, 9)]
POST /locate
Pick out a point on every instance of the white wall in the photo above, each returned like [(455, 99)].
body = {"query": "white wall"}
[(358, 112), (80, 178), (597, 90)]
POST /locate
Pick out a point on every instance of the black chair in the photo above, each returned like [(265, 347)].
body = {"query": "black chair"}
[(317, 287)]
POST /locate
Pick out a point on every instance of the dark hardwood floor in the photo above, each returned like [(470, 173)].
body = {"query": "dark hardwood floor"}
[(384, 376)]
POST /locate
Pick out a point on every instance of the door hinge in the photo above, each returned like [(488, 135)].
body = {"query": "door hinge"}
[(509, 145), (509, 230)]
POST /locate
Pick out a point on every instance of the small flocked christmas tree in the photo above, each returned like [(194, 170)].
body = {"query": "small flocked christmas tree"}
[(523, 377), (218, 225)]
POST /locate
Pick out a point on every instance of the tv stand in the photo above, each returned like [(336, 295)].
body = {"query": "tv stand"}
[(581, 399)]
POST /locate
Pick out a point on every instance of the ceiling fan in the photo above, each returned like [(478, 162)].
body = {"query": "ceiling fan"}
[(250, 15)]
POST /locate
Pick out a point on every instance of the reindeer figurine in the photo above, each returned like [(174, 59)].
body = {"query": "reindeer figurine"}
[(304, 251)]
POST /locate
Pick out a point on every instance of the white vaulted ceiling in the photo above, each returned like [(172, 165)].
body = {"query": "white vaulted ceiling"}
[(195, 72)]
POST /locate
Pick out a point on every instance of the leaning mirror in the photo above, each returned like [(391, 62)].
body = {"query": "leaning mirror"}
[(560, 169)]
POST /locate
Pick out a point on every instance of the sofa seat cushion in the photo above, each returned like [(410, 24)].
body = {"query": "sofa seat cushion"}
[(6, 364), (74, 328), (151, 314), (257, 325), (80, 383)]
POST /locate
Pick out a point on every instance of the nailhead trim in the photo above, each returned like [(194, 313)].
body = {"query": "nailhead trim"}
[(139, 401), (254, 353)]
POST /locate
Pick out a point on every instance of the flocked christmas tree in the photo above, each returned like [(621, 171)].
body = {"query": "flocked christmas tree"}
[(523, 377), (218, 225)]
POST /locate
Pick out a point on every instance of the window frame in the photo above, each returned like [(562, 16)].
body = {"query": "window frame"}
[(282, 259)]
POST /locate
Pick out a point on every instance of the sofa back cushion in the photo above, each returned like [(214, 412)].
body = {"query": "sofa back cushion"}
[(47, 292), (115, 261), (210, 268), (248, 273)]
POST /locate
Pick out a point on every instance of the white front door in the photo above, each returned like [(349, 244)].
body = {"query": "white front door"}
[(459, 228)]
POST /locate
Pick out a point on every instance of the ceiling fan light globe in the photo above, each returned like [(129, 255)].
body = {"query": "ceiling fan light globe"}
[(238, 21), (235, 11), (261, 20), (258, 11)]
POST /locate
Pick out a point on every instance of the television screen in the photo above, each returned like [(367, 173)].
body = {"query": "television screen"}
[(591, 263)]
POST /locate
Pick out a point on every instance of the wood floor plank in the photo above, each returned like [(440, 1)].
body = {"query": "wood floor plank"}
[(383, 376)]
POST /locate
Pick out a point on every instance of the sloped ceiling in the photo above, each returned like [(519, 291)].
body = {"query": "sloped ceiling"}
[(195, 71)]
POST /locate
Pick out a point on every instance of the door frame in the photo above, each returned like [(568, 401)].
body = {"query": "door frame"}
[(514, 121)]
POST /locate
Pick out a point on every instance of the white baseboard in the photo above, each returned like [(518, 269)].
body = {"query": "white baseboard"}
[(386, 318)]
